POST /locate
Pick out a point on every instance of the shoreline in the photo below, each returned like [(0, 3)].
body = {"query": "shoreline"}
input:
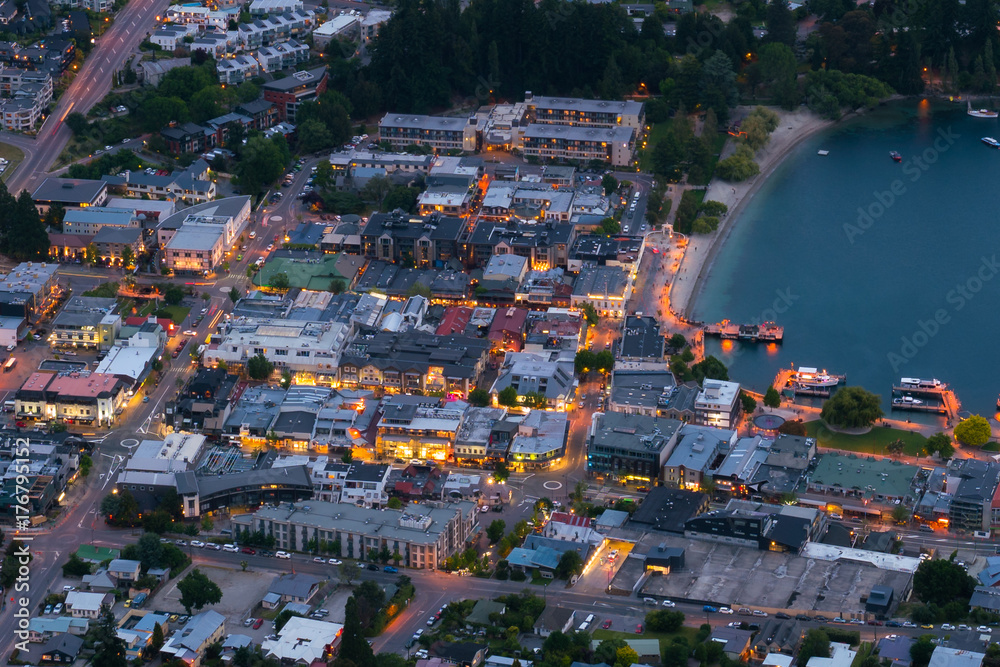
[(699, 258)]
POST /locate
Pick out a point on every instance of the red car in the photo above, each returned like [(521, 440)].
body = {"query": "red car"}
[(638, 629), (259, 622), (21, 424), (606, 624), (248, 550)]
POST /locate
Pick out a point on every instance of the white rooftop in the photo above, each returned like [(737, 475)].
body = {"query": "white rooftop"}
[(302, 640), (882, 561)]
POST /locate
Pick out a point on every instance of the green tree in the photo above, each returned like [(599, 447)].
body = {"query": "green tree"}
[(261, 162), (607, 650), (286, 379), (626, 656), (90, 254), (570, 564), (941, 581), (353, 646), (852, 407), (314, 136), (609, 183), (507, 396), (896, 447), (235, 294), (75, 566), (120, 509), (479, 397), (941, 444), (610, 227), (259, 368), (749, 402), (496, 530), (349, 571), (922, 650), (279, 281), (664, 621), (815, 644), (604, 361), (677, 341), (500, 472), (156, 641), (584, 361), (780, 23), (109, 648), (710, 368), (973, 431), (772, 398), (395, 503), (197, 590), (900, 514), (77, 123), (337, 285)]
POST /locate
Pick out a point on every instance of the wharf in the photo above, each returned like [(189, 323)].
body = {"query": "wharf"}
[(768, 332), (949, 404), (937, 408)]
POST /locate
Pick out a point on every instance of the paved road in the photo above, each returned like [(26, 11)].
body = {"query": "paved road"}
[(112, 50)]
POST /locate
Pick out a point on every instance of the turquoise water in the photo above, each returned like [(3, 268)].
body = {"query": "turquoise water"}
[(907, 286)]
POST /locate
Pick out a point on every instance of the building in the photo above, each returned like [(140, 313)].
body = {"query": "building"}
[(606, 288), (735, 642), (111, 243), (642, 388), (975, 501), (945, 656), (84, 397), (361, 484), (440, 133), (410, 430), (880, 601), (540, 440), (584, 112), (288, 93), (189, 642), (28, 289), (641, 340), (630, 447), (718, 404), (424, 535), (89, 221), (427, 241), (860, 477), (537, 376), (507, 329), (555, 619), (344, 25), (697, 451), (70, 193), (372, 23), (476, 435), (86, 322), (304, 641), (615, 146), (41, 629), (87, 605), (402, 362), (668, 510), (544, 244), (295, 587), (195, 239), (62, 649), (311, 351), (896, 649)]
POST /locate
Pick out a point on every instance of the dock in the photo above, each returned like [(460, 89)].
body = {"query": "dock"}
[(768, 332), (785, 383), (937, 408), (948, 403)]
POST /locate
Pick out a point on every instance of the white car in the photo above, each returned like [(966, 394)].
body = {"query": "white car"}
[(282, 554), (107, 148), (947, 626), (727, 611), (198, 543), (190, 332), (334, 561), (10, 348), (231, 548), (668, 603), (213, 547), (253, 235), (270, 247), (984, 628), (319, 559)]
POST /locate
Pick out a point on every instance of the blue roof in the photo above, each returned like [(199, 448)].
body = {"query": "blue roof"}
[(100, 214), (521, 557), (149, 621), (990, 574)]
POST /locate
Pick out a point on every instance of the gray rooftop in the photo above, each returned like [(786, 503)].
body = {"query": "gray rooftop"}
[(68, 190)]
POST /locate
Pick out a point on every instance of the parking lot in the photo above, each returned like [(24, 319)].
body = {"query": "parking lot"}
[(744, 577)]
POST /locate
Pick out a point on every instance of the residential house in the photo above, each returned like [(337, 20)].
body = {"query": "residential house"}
[(62, 649), (296, 587)]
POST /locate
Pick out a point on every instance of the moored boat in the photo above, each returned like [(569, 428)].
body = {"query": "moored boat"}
[(896, 157), (981, 113), (991, 142), (813, 377)]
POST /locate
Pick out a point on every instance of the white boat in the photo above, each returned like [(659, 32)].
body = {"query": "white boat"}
[(991, 142), (907, 400), (917, 383), (982, 113), (813, 377)]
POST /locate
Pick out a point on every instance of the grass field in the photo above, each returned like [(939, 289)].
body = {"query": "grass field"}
[(687, 632), (177, 313), (873, 442), (13, 155)]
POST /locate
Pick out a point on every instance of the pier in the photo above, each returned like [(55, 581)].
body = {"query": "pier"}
[(768, 332), (947, 402), (937, 408), (785, 383)]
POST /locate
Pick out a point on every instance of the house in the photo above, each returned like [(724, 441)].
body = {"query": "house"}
[(944, 656), (304, 641), (554, 619), (777, 636), (124, 571), (189, 642), (295, 587), (841, 655), (480, 614), (87, 605), (43, 629), (648, 650), (289, 92), (63, 648), (463, 654), (735, 642), (896, 649)]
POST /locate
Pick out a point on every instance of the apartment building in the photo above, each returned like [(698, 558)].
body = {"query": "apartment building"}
[(288, 93), (410, 430), (441, 133), (588, 113), (84, 397), (615, 145)]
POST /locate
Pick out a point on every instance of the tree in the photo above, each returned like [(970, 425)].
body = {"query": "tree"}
[(395, 503), (507, 396), (815, 644), (607, 650), (376, 189), (852, 407), (609, 183), (900, 514), (261, 162), (173, 295), (780, 24), (584, 361), (120, 509), (279, 280), (626, 656), (772, 398), (314, 136), (610, 227), (259, 368), (77, 123), (337, 285), (793, 427), (922, 649), (109, 648), (677, 341), (710, 368), (353, 646), (479, 397), (75, 566), (349, 571), (604, 361), (590, 314), (500, 472), (942, 581), (286, 379), (973, 431), (496, 530), (570, 564), (197, 590), (896, 447), (235, 294), (749, 402), (90, 254), (664, 621), (156, 641), (941, 444)]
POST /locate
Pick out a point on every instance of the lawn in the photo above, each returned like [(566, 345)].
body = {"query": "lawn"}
[(13, 155), (687, 632), (655, 135), (177, 313), (873, 442)]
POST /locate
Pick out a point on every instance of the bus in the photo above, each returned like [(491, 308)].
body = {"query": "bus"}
[(9, 366)]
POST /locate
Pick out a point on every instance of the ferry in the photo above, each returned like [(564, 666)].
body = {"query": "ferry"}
[(812, 377), (982, 113), (896, 157), (907, 400), (917, 383), (991, 142)]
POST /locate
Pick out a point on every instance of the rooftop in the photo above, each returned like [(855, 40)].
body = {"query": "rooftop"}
[(882, 477)]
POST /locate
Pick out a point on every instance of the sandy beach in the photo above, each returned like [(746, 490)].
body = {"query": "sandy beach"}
[(701, 251)]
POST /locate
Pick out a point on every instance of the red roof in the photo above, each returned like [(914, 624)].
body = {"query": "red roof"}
[(571, 519), (455, 319), (508, 321), (165, 322)]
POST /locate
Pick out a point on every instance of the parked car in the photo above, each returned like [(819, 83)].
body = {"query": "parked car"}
[(259, 622), (319, 559), (782, 615), (181, 543), (726, 610), (284, 555), (390, 569), (48, 609), (373, 567), (430, 621), (58, 608), (249, 550), (250, 621), (668, 603), (758, 612), (710, 609), (638, 628), (334, 561), (195, 543)]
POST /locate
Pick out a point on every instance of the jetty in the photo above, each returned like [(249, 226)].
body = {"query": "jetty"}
[(785, 383), (945, 401), (768, 332)]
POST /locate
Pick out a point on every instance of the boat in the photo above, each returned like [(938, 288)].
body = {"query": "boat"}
[(823, 153), (917, 383), (812, 377), (982, 113), (991, 142), (896, 157), (998, 402), (907, 400)]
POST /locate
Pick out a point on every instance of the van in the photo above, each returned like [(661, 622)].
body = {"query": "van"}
[(8, 406), (583, 626), (649, 601), (231, 548), (981, 534), (590, 618)]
